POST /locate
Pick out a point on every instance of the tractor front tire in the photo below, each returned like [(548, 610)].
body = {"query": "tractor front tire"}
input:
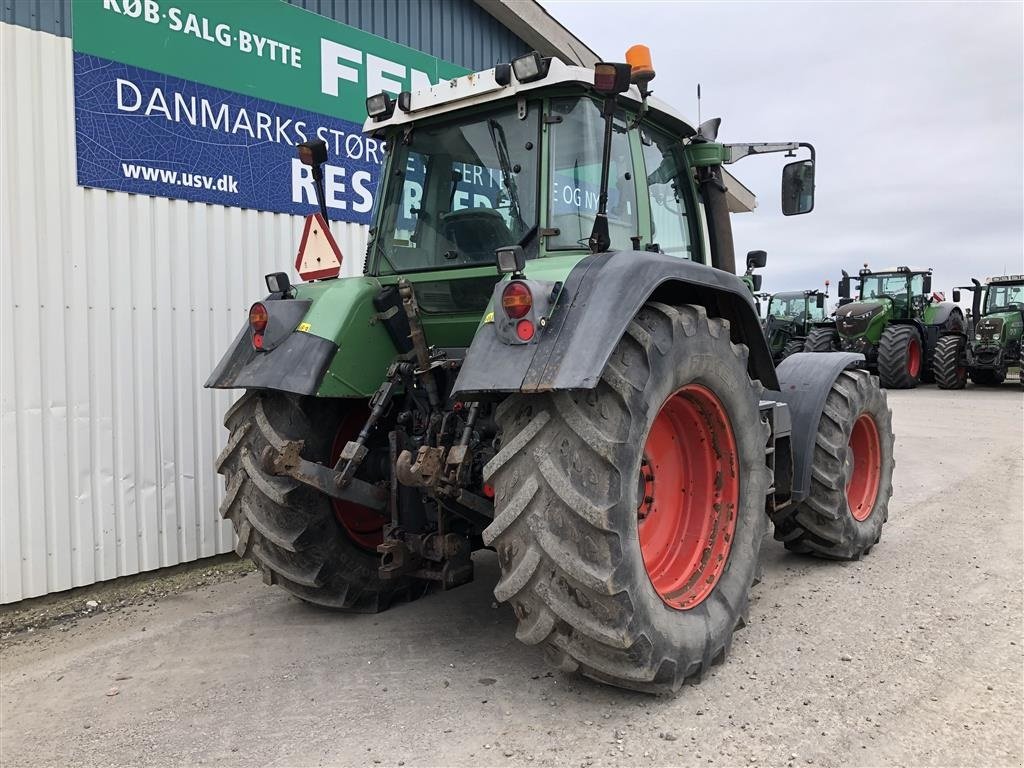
[(851, 475), (792, 347), (629, 518), (820, 340), (988, 377), (900, 357), (948, 363), (290, 530)]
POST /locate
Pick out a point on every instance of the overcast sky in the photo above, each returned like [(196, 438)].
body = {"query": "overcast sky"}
[(916, 111)]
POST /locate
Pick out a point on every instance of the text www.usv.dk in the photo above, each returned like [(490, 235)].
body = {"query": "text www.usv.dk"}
[(225, 183)]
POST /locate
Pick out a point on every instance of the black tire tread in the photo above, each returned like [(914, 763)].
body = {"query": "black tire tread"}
[(286, 528), (792, 347), (892, 357), (946, 363), (820, 340)]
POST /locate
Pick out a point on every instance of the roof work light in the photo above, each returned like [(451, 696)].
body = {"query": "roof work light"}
[(530, 67), (380, 106)]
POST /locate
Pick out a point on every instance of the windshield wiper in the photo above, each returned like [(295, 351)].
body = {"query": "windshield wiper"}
[(501, 149)]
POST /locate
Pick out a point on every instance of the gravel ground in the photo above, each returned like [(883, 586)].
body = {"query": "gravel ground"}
[(910, 657)]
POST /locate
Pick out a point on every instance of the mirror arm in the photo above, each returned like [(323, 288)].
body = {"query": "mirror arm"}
[(737, 152)]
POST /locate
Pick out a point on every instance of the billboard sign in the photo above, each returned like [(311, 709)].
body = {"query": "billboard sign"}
[(206, 100)]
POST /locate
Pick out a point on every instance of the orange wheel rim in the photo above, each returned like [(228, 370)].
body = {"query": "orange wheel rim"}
[(689, 496), (866, 460), (914, 358)]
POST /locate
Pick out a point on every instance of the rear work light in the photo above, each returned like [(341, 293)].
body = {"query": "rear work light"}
[(258, 318), (516, 300)]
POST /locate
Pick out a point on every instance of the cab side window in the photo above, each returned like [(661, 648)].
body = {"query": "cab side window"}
[(576, 143), (670, 225)]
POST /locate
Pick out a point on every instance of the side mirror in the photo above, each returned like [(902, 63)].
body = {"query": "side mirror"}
[(798, 188), (845, 300), (844, 288), (820, 300), (927, 285), (956, 295), (757, 280), (756, 259)]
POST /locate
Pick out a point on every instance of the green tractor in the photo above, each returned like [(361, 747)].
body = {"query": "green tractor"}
[(549, 354), (792, 316), (896, 324), (994, 343)]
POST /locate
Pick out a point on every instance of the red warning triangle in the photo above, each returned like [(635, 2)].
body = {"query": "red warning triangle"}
[(319, 256)]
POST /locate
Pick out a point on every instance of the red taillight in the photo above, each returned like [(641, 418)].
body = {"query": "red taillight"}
[(516, 300), (257, 341), (258, 317), (524, 330)]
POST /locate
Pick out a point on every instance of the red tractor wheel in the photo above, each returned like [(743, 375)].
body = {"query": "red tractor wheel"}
[(900, 357), (851, 475), (629, 518)]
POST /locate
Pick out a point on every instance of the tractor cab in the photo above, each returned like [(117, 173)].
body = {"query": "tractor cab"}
[(791, 316)]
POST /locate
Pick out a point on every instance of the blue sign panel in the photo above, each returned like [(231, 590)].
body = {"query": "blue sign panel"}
[(152, 134)]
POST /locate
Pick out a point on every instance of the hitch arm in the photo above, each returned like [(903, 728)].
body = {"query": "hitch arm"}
[(289, 463)]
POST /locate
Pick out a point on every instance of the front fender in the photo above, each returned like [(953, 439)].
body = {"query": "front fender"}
[(600, 296), (805, 380)]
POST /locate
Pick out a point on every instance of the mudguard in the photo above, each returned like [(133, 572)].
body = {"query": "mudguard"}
[(941, 312), (600, 296), (805, 379), (297, 364)]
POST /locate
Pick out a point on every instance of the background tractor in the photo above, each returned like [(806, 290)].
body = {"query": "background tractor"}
[(549, 355), (896, 324), (792, 315), (993, 344)]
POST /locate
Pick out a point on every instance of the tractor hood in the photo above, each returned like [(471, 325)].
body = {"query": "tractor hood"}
[(853, 319), (999, 328)]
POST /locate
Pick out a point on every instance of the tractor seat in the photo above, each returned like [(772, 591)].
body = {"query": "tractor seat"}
[(475, 232)]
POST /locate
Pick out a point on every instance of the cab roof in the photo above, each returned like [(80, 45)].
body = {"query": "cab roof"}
[(482, 88), (475, 88), (897, 270)]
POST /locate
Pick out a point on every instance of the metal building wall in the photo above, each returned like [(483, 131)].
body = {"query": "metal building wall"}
[(117, 308)]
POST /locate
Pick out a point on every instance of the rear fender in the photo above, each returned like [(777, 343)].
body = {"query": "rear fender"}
[(328, 341), (805, 379), (600, 296)]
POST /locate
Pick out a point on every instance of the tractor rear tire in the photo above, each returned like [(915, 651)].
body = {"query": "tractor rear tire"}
[(851, 475), (948, 364), (987, 377), (792, 347), (900, 357), (290, 530), (820, 340), (644, 605)]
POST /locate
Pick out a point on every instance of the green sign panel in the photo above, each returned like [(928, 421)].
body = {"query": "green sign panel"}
[(262, 48)]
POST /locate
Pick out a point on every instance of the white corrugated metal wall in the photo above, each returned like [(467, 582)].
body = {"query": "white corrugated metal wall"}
[(116, 307)]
